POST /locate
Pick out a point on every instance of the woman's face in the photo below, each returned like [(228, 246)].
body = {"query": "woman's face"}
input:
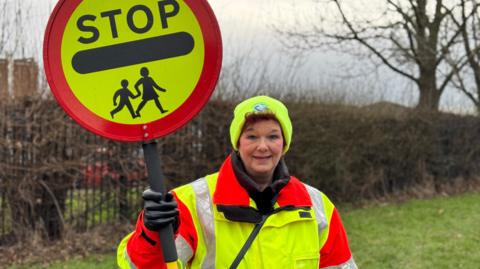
[(260, 148)]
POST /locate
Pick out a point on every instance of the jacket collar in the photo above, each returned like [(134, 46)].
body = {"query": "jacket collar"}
[(230, 192), (280, 178)]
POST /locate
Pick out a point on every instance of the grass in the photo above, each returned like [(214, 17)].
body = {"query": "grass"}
[(436, 233), (97, 262)]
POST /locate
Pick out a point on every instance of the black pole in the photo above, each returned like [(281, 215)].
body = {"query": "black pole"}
[(157, 183)]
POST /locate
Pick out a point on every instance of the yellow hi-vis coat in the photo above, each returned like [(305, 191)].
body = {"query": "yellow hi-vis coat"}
[(217, 216)]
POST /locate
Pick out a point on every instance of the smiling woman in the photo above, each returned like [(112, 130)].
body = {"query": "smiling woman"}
[(250, 214), (261, 147)]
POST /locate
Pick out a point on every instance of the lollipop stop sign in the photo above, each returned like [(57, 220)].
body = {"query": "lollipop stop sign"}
[(133, 70), (120, 68)]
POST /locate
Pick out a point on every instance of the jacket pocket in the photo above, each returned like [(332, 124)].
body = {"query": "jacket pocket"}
[(308, 261)]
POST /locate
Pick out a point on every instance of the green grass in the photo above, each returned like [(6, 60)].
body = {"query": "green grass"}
[(96, 262), (437, 233)]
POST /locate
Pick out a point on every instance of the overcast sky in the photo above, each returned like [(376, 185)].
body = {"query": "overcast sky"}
[(247, 34)]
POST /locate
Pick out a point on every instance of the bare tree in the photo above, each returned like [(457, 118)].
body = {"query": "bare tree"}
[(413, 38), (15, 23), (467, 63), (3, 22)]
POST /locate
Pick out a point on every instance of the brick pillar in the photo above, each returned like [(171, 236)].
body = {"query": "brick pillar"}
[(3, 79), (25, 78)]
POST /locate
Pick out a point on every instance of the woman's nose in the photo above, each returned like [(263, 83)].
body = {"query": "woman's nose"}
[(262, 144)]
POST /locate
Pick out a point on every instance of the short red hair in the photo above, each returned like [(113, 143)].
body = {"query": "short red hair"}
[(252, 118)]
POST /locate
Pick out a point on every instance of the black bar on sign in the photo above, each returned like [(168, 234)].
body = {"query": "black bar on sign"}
[(134, 52)]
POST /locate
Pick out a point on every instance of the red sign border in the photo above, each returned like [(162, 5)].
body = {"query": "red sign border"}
[(132, 132)]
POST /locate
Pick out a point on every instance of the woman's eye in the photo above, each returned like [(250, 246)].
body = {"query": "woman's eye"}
[(273, 137), (251, 137)]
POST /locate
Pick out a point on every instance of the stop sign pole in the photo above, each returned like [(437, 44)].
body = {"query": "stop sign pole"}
[(156, 180)]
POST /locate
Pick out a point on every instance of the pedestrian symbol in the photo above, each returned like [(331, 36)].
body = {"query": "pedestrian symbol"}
[(149, 93), (124, 94)]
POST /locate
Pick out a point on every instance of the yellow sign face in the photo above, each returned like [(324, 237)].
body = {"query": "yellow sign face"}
[(130, 61)]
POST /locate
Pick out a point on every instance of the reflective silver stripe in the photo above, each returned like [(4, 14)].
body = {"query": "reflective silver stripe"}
[(130, 263), (184, 250), (205, 216), (350, 264), (316, 197)]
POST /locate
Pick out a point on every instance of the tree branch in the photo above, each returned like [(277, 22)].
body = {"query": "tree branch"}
[(370, 47)]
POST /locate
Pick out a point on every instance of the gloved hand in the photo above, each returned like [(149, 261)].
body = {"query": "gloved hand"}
[(158, 213)]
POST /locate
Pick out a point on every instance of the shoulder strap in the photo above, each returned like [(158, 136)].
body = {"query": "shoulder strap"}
[(249, 242)]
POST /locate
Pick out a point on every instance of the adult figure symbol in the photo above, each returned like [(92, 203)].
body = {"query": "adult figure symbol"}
[(149, 93)]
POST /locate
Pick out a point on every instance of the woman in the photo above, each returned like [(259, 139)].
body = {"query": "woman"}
[(250, 214)]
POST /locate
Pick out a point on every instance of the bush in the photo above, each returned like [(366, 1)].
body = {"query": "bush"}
[(356, 153)]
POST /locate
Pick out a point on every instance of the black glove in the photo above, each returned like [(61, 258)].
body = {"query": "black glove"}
[(158, 213)]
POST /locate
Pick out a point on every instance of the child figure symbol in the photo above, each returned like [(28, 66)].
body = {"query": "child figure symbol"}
[(149, 93), (124, 94)]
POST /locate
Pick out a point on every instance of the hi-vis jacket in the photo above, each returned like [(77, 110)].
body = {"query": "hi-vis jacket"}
[(217, 216)]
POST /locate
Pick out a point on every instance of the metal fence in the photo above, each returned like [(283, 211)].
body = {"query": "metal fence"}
[(98, 197), (56, 175)]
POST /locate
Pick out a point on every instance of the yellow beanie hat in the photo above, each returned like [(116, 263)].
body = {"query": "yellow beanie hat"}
[(260, 104)]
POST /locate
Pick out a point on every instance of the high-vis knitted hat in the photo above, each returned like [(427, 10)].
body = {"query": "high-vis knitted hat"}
[(260, 104)]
